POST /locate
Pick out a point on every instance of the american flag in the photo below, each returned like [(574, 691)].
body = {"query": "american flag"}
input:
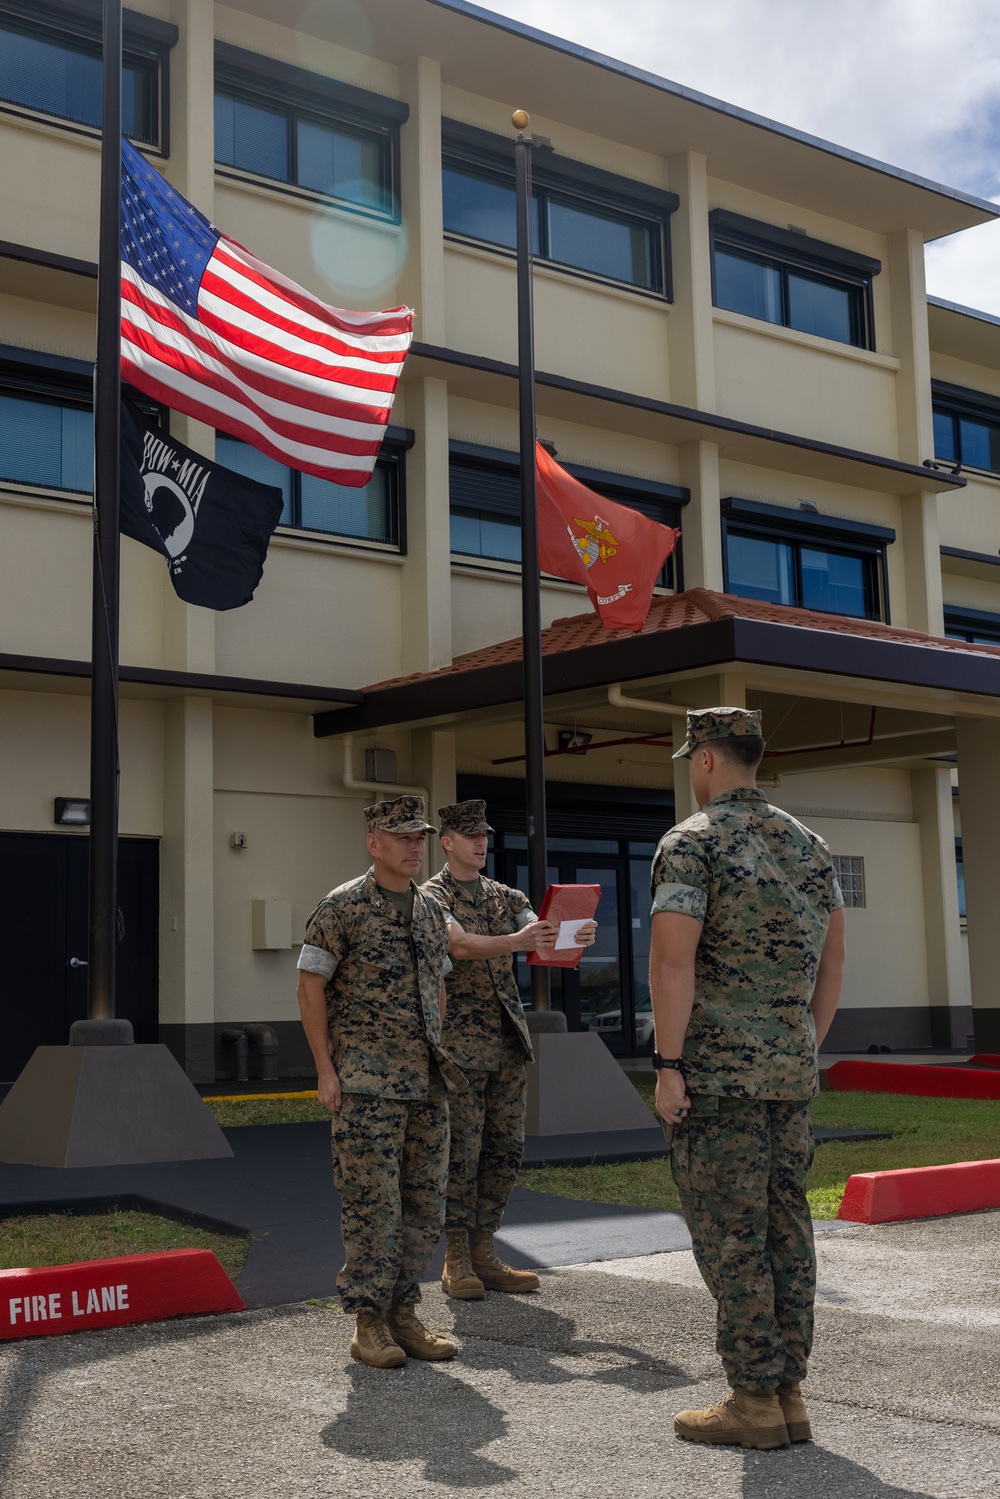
[(211, 331)]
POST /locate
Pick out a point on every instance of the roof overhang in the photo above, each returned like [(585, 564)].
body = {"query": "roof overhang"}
[(716, 643), (558, 80)]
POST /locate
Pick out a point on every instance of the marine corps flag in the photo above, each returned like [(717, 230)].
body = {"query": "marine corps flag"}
[(616, 553), (212, 525)]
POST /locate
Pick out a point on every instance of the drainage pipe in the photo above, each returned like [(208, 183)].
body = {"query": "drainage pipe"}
[(237, 1039), (265, 1038), (617, 699), (380, 789)]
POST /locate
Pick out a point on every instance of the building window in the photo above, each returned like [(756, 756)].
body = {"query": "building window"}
[(960, 877), (850, 872), (486, 504), (973, 626), (372, 513), (966, 427), (583, 219), (306, 132), (55, 69), (788, 278), (47, 443), (782, 556)]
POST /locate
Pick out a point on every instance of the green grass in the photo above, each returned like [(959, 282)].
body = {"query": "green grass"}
[(236, 1111), (925, 1132), (65, 1239)]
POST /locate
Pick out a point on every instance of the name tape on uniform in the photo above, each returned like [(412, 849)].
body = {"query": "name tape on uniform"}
[(111, 1293)]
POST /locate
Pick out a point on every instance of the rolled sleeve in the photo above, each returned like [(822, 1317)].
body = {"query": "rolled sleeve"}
[(836, 901), (525, 918), (317, 960), (686, 899)]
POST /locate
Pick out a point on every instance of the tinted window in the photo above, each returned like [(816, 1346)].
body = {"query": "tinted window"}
[(748, 286), (808, 575), (567, 230), (62, 76), (762, 285), (46, 444), (349, 163), (313, 504), (761, 569), (818, 307), (833, 582)]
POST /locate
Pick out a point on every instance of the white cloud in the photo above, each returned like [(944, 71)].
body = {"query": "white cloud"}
[(912, 82)]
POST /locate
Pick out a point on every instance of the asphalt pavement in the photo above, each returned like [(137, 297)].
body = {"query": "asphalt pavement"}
[(570, 1391)]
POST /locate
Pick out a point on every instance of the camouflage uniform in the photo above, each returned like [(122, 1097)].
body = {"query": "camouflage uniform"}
[(390, 1138), (487, 1036), (763, 887)]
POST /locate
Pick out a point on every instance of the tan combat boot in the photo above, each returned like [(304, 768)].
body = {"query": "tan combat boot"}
[(459, 1278), (793, 1408), (743, 1419), (373, 1343), (494, 1274), (411, 1334)]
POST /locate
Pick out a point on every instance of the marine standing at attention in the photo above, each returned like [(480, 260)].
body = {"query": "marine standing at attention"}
[(746, 962), (487, 1035), (371, 994)]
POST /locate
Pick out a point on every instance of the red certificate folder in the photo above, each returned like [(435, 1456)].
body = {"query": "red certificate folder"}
[(565, 905)]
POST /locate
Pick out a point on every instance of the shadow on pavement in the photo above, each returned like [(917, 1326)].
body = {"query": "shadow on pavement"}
[(521, 1323), (815, 1471), (442, 1423)]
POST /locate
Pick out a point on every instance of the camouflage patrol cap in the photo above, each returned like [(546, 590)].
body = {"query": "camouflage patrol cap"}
[(403, 814), (465, 817), (707, 724)]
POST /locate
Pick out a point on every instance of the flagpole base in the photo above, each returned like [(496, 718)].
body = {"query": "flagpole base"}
[(101, 1033)]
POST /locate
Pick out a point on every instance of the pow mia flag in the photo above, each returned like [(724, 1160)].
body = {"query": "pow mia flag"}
[(212, 525)]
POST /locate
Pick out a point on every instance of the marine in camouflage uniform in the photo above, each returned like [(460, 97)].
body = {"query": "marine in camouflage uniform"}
[(763, 888), (486, 1034), (383, 954)]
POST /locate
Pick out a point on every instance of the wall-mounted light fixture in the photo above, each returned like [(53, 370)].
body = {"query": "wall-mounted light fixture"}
[(575, 740), (73, 810), (808, 505)]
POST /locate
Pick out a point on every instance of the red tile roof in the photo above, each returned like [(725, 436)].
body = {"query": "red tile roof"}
[(679, 611)]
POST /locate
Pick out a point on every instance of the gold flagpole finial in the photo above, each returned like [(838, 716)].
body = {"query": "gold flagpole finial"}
[(520, 119)]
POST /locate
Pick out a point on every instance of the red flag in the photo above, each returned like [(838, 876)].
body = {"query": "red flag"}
[(616, 553)]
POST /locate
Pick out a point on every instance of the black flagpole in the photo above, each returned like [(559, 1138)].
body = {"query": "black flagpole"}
[(104, 640), (531, 604)]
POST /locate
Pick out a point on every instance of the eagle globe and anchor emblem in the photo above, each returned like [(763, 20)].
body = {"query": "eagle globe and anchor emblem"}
[(595, 542)]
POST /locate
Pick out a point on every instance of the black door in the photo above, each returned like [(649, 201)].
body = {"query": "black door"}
[(43, 928), (609, 992)]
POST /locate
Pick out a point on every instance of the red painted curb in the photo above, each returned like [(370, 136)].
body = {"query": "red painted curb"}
[(921, 1192), (986, 1059), (924, 1082), (112, 1293)]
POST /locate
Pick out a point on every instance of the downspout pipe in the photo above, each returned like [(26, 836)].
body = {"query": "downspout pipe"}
[(379, 789), (237, 1039), (265, 1038), (618, 699)]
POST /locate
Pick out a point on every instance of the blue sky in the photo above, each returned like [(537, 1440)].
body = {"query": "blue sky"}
[(912, 82)]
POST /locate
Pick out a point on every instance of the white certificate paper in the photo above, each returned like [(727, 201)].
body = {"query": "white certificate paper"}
[(568, 931)]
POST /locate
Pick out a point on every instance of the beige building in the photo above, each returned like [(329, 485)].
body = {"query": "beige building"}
[(733, 335)]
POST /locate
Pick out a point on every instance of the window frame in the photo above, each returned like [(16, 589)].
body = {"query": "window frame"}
[(793, 249), (958, 402), (395, 445), (846, 878), (58, 381), (658, 501), (562, 177), (146, 39), (797, 528), (964, 624), (300, 93)]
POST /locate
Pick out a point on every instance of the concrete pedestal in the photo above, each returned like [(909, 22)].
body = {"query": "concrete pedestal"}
[(105, 1105), (575, 1086)]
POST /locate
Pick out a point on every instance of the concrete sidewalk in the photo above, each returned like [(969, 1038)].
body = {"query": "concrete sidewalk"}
[(569, 1392)]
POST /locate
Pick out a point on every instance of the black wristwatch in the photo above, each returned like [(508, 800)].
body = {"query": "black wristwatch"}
[(674, 1063)]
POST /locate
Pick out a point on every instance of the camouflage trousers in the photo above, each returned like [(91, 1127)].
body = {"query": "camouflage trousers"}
[(740, 1166), (390, 1166), (487, 1142)]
